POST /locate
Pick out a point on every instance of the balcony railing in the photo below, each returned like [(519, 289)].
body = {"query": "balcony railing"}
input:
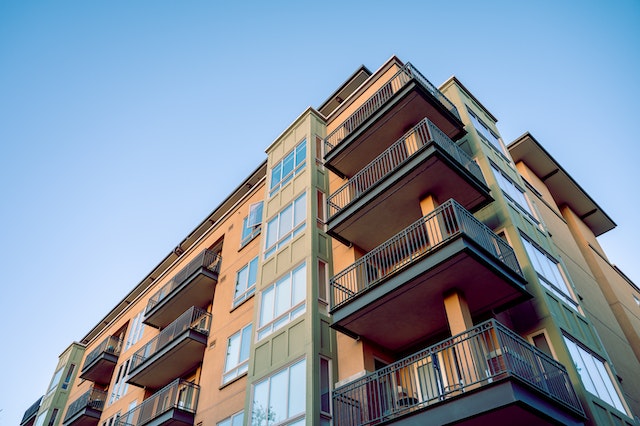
[(423, 134), (179, 394), (31, 411), (207, 260), (193, 319), (93, 398), (110, 345), (475, 358), (407, 73), (447, 222)]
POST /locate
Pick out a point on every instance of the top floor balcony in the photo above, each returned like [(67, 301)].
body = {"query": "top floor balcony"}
[(173, 405), (399, 104), (487, 375), (100, 362), (384, 194), (29, 417), (193, 285), (86, 410), (448, 249)]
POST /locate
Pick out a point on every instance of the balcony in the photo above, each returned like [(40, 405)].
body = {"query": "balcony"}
[(376, 297), (384, 194), (398, 105), (86, 410), (487, 375), (100, 363), (176, 351), (29, 417), (173, 405), (194, 285)]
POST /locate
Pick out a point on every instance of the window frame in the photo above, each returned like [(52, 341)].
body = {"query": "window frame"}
[(249, 290), (298, 158), (528, 208), (240, 366), (295, 227), (482, 128), (252, 223), (270, 391), (230, 421)]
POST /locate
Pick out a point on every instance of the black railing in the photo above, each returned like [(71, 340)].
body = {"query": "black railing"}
[(423, 134), (193, 319), (400, 79), (475, 358), (207, 259), (111, 345), (93, 398), (445, 223), (31, 411), (179, 394)]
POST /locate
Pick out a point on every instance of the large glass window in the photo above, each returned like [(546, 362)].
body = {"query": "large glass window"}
[(280, 398), (513, 192), (549, 273), (136, 328), (237, 361), (283, 171), (235, 420), (486, 133), (120, 385), (283, 301), (594, 374), (245, 282), (69, 375), (55, 380), (286, 224), (252, 224)]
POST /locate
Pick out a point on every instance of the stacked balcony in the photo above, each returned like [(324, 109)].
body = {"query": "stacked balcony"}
[(173, 405), (401, 102), (176, 351), (393, 294), (29, 417), (485, 375), (86, 410), (384, 194), (100, 362), (193, 285)]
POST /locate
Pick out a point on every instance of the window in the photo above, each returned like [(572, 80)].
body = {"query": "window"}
[(237, 361), (594, 374), (283, 301), (55, 380), (322, 281), (321, 203), (40, 419), (486, 133), (68, 377), (235, 420), (135, 331), (513, 193), (549, 273), (280, 398), (252, 224), (120, 385), (283, 171), (319, 151), (325, 386), (286, 224), (52, 419), (245, 282), (635, 298)]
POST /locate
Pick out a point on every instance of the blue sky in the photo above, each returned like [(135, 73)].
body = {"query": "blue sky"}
[(122, 124)]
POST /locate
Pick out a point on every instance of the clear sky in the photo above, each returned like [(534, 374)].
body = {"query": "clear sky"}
[(123, 124)]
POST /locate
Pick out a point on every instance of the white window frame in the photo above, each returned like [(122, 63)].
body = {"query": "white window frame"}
[(295, 304), (246, 287), (283, 227), (488, 135), (297, 156), (136, 329), (291, 418), (326, 414), (252, 223), (234, 368), (232, 420), (516, 195), (120, 385)]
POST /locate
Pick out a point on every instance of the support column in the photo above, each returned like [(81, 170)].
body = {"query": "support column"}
[(457, 310)]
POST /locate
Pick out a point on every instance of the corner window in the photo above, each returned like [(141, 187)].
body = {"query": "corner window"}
[(514, 193), (283, 301), (284, 170), (486, 133), (285, 225), (549, 273), (237, 361), (245, 282), (252, 224), (594, 374), (280, 398)]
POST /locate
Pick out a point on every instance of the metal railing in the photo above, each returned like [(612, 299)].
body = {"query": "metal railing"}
[(445, 223), (179, 394), (477, 357), (207, 259), (111, 345), (423, 134), (193, 319), (31, 411), (406, 74), (93, 398)]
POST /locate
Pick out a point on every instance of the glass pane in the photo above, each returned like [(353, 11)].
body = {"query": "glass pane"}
[(300, 209), (266, 306), (297, 391), (260, 410), (286, 217), (237, 419), (253, 272), (255, 214), (283, 296), (301, 152), (287, 165), (272, 232), (244, 345), (276, 175), (241, 281), (325, 403), (278, 397), (233, 350), (299, 285)]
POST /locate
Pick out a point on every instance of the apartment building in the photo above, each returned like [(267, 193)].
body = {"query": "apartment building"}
[(392, 261)]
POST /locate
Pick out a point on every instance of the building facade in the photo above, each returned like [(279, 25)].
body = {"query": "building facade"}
[(391, 262)]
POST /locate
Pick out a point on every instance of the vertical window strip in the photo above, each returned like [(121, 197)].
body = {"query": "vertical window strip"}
[(288, 223), (283, 171), (237, 360), (246, 282), (514, 193)]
